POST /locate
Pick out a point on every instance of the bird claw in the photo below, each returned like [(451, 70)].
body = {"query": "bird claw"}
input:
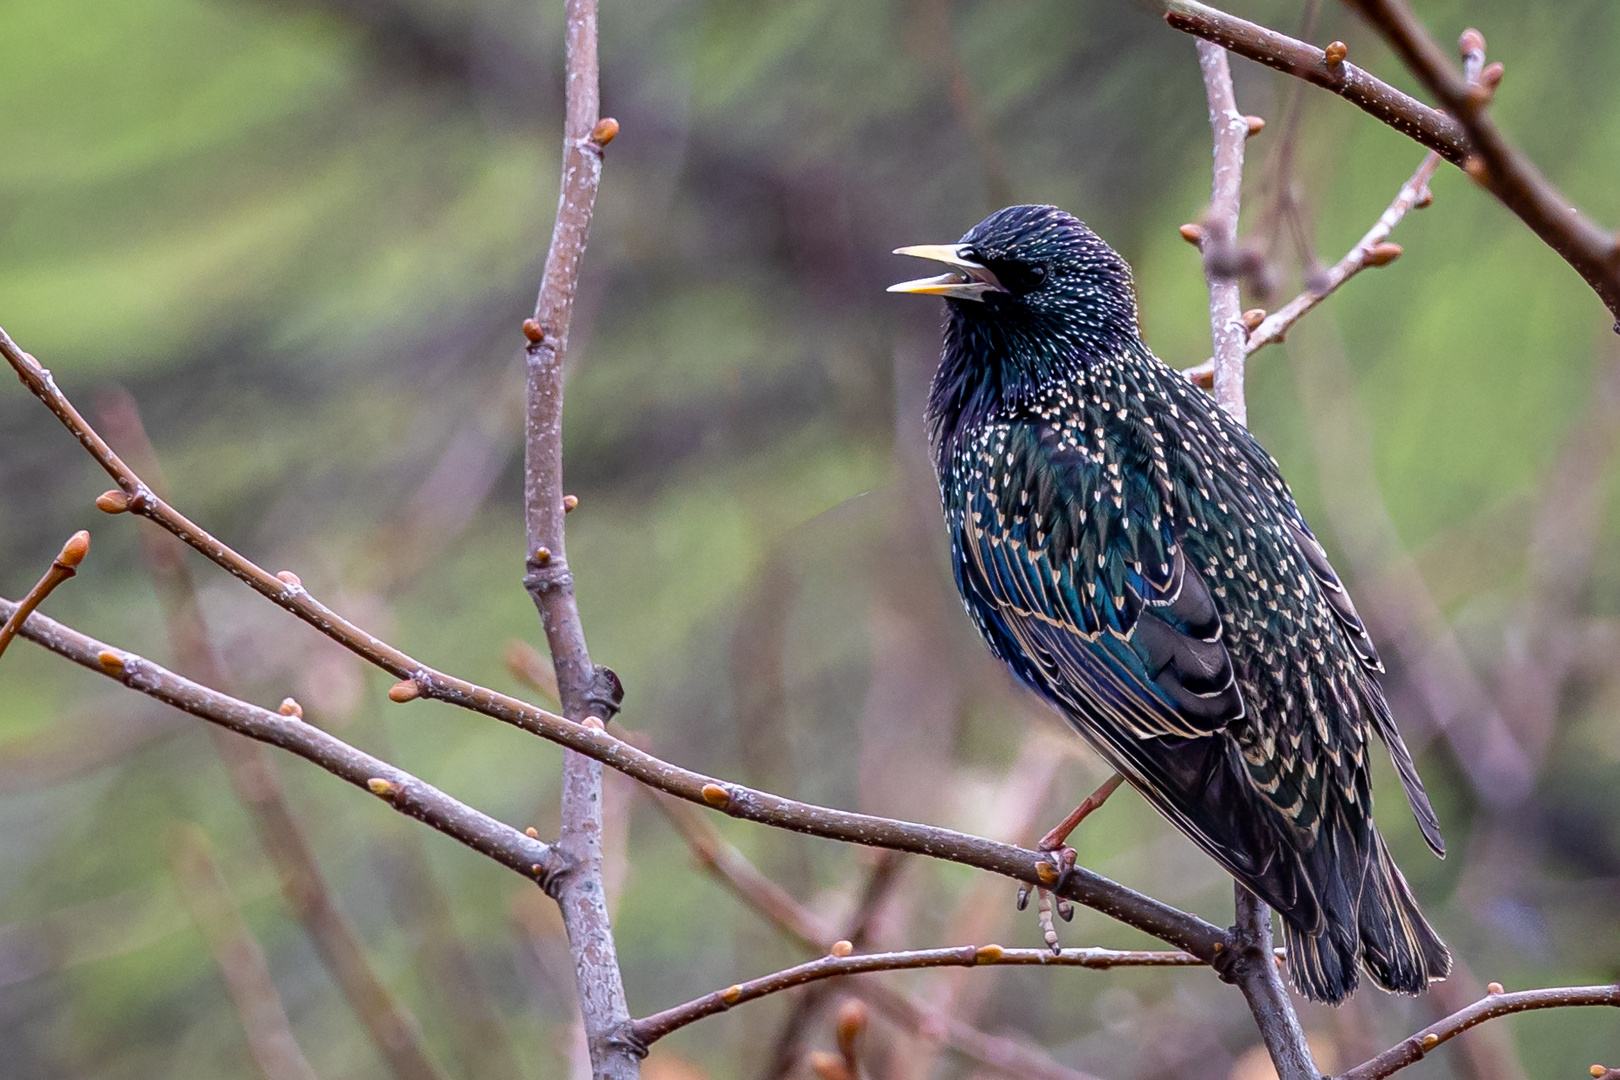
[(1054, 875)]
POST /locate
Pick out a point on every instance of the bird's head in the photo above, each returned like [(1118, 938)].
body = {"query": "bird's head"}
[(1032, 272), (1033, 298)]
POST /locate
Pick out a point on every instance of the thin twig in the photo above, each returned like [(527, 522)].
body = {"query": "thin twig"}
[(240, 959), (1218, 239), (652, 1028), (1177, 928), (404, 792), (64, 566), (1414, 1048), (587, 692)]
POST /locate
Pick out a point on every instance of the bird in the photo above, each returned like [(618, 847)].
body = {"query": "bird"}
[(1134, 556)]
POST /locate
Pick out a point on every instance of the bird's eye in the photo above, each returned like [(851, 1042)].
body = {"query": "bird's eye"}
[(1019, 277)]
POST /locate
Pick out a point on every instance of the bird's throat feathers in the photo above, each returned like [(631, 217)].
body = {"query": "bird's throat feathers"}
[(995, 365)]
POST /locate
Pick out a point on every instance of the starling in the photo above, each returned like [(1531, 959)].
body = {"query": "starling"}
[(1134, 556)]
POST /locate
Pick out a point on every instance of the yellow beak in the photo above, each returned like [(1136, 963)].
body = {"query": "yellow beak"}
[(966, 280)]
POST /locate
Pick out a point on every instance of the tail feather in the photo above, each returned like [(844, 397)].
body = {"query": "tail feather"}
[(1372, 922)]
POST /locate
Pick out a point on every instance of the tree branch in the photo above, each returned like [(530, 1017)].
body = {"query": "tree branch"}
[(650, 1029), (588, 693), (404, 792), (1406, 114), (1413, 1049), (1217, 240)]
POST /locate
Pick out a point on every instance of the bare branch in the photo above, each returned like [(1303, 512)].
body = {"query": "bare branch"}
[(1218, 237), (404, 792), (1406, 114), (64, 566), (588, 693), (240, 959), (1413, 1049), (649, 1029)]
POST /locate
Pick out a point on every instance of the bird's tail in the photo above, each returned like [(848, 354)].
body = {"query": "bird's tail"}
[(1373, 924)]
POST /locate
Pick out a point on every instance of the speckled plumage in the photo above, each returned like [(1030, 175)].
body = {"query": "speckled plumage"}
[(1135, 557)]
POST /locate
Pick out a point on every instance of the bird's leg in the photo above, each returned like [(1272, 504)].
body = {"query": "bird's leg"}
[(1055, 875)]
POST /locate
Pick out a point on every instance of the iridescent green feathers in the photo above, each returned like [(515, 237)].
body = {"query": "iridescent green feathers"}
[(1135, 557)]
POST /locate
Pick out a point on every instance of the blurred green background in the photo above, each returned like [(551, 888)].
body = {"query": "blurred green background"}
[(303, 235)]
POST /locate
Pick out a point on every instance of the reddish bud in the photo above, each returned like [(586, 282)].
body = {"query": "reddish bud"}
[(570, 503), (841, 949), (287, 577), (290, 707), (1471, 41), (1491, 77), (605, 131), (533, 330), (1253, 318), (542, 556), (1192, 233), (716, 796), (850, 1026), (1257, 124), (1430, 1041), (1335, 53), (110, 662), (731, 994), (113, 502), (829, 1066), (1493, 988)]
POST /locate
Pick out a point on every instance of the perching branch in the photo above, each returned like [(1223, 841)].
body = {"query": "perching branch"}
[(1184, 931), (1493, 1005), (588, 693), (649, 1029), (404, 792)]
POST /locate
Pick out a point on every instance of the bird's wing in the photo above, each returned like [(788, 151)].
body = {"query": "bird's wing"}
[(1383, 720), (1069, 557)]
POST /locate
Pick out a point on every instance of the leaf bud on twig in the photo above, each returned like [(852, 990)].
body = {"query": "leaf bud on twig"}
[(383, 789), (532, 833), (1474, 166), (74, 551), (716, 796), (110, 662), (1193, 233), (1471, 41), (570, 503), (1253, 318), (113, 502), (1493, 988), (1491, 77), (1335, 53), (1382, 254), (403, 691), (1257, 124), (850, 1026), (534, 331), (988, 954), (290, 707), (841, 949), (605, 131), (287, 577), (1430, 1041)]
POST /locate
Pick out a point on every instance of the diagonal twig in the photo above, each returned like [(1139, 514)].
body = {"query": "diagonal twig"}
[(405, 793), (64, 566)]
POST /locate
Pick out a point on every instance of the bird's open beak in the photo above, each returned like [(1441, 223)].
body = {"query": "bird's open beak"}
[(966, 280)]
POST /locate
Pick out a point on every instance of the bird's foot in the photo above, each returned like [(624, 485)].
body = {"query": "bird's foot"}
[(1054, 875)]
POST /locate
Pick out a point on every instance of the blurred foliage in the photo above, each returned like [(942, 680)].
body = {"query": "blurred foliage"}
[(303, 235)]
